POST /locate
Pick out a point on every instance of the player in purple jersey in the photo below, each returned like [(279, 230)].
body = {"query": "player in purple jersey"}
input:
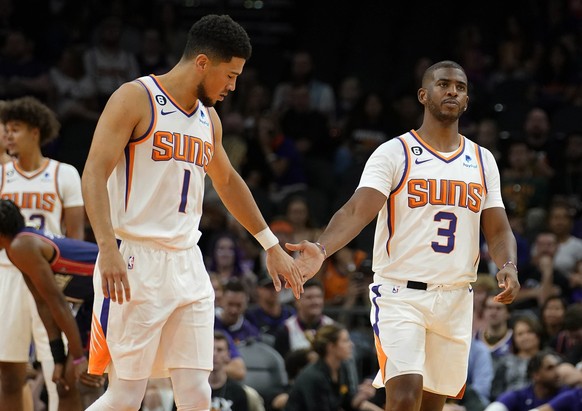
[(41, 257)]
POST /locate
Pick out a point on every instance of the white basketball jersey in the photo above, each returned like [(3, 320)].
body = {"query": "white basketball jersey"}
[(156, 189), (36, 194), (429, 228), (42, 194)]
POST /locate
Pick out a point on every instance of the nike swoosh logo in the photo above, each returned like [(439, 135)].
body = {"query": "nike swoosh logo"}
[(417, 161), (165, 113)]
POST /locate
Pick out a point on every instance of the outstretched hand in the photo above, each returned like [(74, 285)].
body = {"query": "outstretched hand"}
[(309, 260), (281, 263)]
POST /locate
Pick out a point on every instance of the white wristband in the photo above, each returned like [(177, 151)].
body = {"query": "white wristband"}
[(266, 238)]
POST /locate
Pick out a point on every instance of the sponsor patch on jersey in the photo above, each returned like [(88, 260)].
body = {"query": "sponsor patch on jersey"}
[(469, 162), (416, 150), (203, 119)]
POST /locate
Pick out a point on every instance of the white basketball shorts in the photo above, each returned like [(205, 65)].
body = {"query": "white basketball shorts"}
[(426, 332), (169, 322)]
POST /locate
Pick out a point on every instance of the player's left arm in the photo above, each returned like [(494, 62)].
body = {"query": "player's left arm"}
[(495, 226), (239, 201), (73, 209), (503, 250)]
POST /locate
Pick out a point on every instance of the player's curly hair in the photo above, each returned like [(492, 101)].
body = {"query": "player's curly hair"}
[(218, 37), (326, 334), (11, 220), (31, 111)]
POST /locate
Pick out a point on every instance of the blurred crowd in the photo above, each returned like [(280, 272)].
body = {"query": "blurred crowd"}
[(301, 142)]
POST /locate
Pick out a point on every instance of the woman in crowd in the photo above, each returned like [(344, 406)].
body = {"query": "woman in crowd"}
[(326, 385)]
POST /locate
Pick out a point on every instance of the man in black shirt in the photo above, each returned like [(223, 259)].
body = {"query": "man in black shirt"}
[(227, 394)]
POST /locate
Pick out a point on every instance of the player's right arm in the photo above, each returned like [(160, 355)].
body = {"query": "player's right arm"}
[(121, 117), (27, 255), (345, 224)]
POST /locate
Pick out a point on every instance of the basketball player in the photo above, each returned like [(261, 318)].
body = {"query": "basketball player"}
[(431, 188), (4, 156), (49, 195), (53, 267), (143, 184)]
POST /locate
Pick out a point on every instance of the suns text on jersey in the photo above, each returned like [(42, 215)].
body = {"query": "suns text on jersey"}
[(445, 192), (181, 147), (33, 201)]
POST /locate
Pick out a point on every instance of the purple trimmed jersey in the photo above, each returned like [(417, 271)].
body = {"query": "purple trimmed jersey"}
[(73, 263)]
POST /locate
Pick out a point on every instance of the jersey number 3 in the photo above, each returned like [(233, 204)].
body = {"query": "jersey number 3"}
[(447, 232)]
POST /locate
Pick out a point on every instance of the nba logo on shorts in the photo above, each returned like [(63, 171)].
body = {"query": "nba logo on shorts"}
[(395, 289), (130, 262)]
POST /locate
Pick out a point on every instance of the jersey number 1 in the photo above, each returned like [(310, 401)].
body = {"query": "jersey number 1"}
[(184, 195)]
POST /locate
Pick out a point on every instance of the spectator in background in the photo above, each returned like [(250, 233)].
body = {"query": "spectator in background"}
[(108, 65), (370, 124), (305, 126), (568, 180), (218, 293), (511, 369), (537, 133), (21, 73), (320, 94), (273, 162), (349, 93), (539, 279), (152, 58), (172, 31), (542, 372), (570, 400), (576, 284), (231, 319), (479, 377), (256, 102), (482, 288), (524, 189), (268, 313), (552, 319), (573, 327), (295, 361), (341, 276), (225, 261), (298, 330), (487, 135), (325, 385), (298, 213), (557, 78), (496, 333), (569, 251), (75, 92), (227, 394)]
